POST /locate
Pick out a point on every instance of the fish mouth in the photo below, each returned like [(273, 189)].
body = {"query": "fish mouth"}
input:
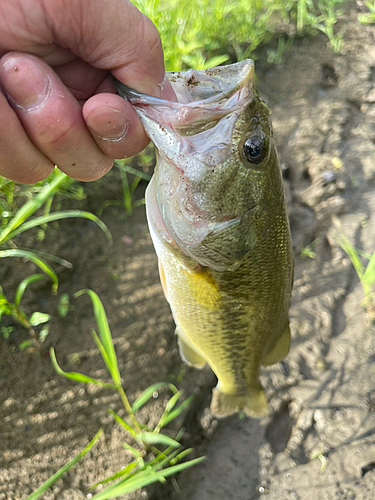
[(195, 132), (203, 97)]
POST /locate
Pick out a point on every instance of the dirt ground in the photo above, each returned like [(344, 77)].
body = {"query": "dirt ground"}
[(319, 440)]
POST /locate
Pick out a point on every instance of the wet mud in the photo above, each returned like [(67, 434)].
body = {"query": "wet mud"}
[(319, 438)]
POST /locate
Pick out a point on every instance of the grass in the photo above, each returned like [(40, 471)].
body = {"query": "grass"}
[(13, 195), (308, 251), (14, 310), (206, 33), (130, 178), (23, 220), (156, 455), (368, 17), (320, 455), (365, 271)]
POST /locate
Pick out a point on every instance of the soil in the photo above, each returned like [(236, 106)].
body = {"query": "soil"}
[(318, 441)]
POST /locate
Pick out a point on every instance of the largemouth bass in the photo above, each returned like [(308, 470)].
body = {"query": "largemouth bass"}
[(217, 217)]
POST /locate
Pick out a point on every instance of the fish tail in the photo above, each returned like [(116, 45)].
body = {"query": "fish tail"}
[(253, 404)]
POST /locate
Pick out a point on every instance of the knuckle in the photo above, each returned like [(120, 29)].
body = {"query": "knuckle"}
[(58, 134), (151, 38)]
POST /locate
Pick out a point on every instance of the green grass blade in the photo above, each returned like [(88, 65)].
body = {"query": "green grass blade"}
[(146, 468), (181, 455), (369, 274), (25, 344), (28, 254), (122, 422), (168, 408), (353, 256), (126, 193), (345, 244), (45, 219), (138, 203), (48, 256), (108, 203), (140, 481), (134, 171), (362, 253), (77, 377), (102, 351), (176, 412), (215, 61), (116, 475), (24, 284), (162, 460), (134, 184), (104, 332), (163, 455), (147, 394), (155, 438), (133, 450), (31, 206), (52, 480)]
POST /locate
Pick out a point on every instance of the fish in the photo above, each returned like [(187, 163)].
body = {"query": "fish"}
[(218, 221)]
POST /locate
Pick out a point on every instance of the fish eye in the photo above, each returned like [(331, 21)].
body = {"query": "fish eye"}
[(254, 149)]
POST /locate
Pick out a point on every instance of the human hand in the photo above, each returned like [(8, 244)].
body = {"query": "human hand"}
[(57, 100)]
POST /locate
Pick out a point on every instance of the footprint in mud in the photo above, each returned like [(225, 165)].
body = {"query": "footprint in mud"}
[(367, 468), (329, 78), (279, 430)]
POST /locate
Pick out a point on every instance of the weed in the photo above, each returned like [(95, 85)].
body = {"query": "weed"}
[(150, 464), (64, 305), (191, 38), (366, 274), (276, 56), (308, 251), (128, 188), (20, 222), (30, 323), (321, 456), (369, 17), (327, 21)]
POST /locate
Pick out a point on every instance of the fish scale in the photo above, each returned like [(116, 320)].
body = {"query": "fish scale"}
[(217, 217)]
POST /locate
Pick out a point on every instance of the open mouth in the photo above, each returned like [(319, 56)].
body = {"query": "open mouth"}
[(195, 132), (202, 96)]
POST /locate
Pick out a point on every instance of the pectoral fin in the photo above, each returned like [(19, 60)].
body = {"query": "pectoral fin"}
[(188, 354), (162, 279), (225, 246)]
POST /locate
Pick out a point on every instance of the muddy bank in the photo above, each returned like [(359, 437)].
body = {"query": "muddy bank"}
[(319, 439)]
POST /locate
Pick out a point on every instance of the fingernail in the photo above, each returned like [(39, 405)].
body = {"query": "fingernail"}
[(26, 84), (108, 124)]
